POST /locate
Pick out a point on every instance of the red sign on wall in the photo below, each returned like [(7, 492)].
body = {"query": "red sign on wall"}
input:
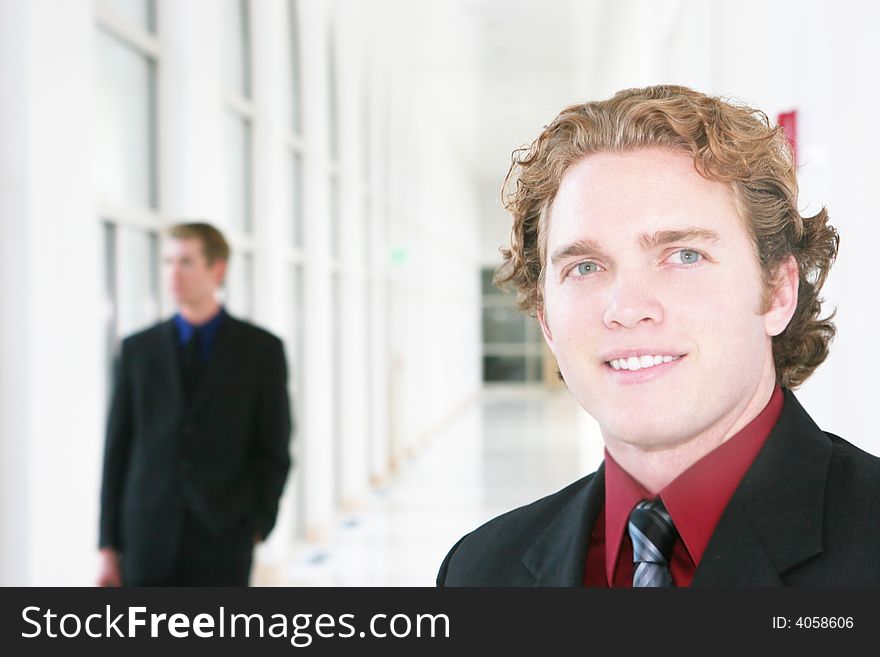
[(788, 122)]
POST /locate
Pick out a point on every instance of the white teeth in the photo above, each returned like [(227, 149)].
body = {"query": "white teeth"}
[(640, 362)]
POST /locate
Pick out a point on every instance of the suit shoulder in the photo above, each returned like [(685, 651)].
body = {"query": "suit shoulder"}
[(255, 333), (537, 511), (502, 541), (851, 521), (852, 466), (145, 336), (844, 449)]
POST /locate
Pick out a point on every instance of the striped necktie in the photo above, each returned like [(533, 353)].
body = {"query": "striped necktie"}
[(653, 535)]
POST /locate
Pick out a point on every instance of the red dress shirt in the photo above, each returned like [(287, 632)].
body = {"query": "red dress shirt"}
[(695, 501)]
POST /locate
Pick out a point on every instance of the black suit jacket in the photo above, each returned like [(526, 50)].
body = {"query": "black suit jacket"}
[(222, 456), (807, 513)]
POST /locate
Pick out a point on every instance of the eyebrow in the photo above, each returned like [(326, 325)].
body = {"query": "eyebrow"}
[(589, 246)]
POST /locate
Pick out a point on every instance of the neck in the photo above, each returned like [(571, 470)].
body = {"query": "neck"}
[(200, 312), (656, 468)]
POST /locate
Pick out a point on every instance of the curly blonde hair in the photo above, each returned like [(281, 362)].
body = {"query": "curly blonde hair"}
[(730, 143)]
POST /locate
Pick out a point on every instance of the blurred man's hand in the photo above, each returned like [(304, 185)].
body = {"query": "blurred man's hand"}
[(110, 572)]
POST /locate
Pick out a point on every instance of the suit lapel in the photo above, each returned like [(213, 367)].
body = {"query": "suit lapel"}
[(736, 555), (774, 520), (170, 360), (558, 556)]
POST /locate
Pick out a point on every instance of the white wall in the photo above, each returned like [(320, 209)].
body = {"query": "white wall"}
[(53, 390), (843, 96), (15, 282), (495, 223), (815, 58)]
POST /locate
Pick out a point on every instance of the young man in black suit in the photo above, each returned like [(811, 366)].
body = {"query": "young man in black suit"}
[(658, 241), (197, 440)]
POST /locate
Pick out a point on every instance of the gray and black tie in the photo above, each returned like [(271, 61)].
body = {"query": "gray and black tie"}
[(653, 536)]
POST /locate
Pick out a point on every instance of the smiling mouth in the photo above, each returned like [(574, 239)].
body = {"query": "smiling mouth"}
[(635, 363)]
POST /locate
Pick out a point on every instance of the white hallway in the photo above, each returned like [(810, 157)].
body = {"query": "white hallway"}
[(509, 448)]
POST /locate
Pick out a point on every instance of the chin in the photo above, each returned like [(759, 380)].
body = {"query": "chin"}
[(656, 401), (642, 422), (645, 437)]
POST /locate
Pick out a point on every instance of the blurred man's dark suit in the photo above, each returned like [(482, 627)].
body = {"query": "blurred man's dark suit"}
[(191, 479), (807, 513)]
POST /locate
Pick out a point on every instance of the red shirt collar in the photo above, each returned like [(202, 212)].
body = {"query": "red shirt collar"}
[(697, 497)]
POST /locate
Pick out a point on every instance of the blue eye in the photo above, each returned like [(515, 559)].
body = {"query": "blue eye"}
[(689, 256), (587, 267)]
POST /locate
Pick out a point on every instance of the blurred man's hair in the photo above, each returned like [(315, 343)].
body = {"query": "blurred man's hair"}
[(730, 143), (214, 245)]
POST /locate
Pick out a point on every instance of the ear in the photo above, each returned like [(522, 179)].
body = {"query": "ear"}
[(545, 329), (783, 300), (219, 268)]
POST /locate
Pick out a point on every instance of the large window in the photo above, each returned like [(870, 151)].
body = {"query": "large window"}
[(335, 215), (296, 208), (238, 118), (138, 13), (131, 283), (236, 47), (297, 255), (332, 97), (512, 341), (240, 283), (238, 185), (297, 229), (126, 165), (335, 232), (126, 125)]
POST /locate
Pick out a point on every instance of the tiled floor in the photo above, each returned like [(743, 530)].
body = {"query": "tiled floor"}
[(510, 448)]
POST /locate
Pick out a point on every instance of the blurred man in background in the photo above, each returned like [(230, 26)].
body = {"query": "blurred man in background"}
[(197, 440), (657, 238)]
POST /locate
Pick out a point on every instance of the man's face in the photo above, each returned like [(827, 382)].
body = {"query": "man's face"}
[(648, 262), (192, 280)]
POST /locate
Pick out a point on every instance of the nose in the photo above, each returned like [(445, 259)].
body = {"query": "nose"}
[(632, 301)]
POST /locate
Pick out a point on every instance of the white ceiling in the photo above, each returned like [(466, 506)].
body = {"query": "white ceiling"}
[(496, 71)]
